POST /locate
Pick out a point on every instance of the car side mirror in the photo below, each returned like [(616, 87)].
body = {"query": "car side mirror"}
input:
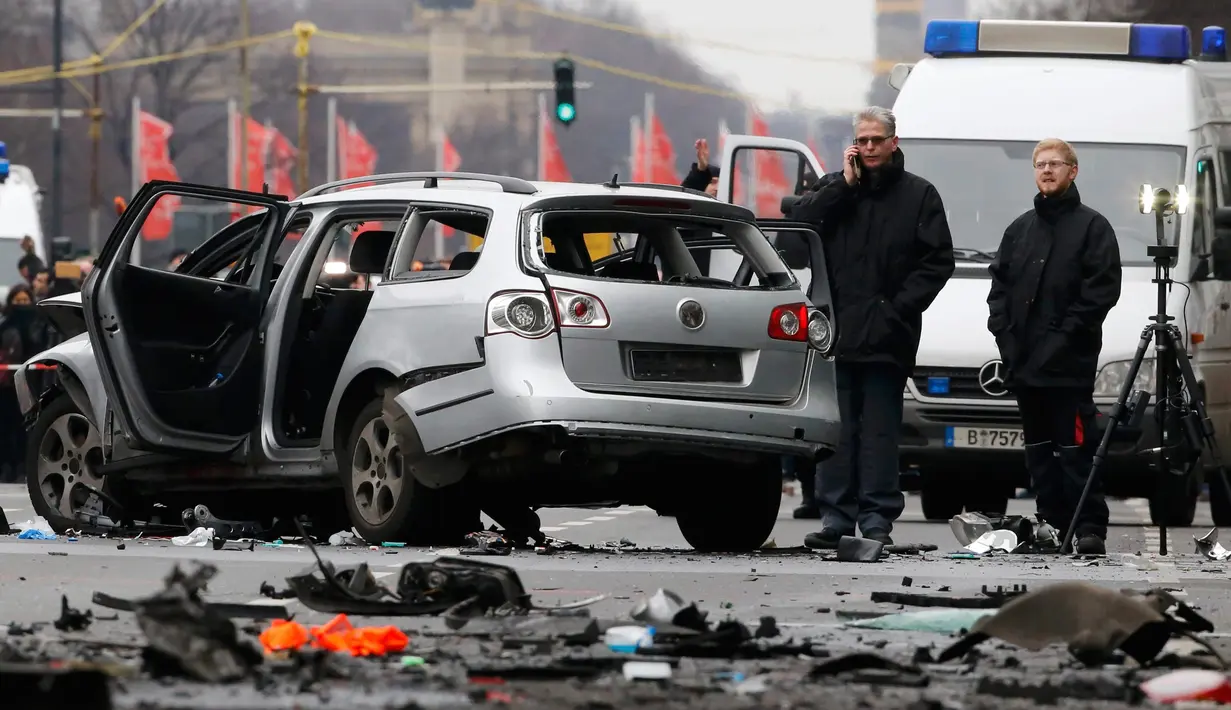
[(1220, 256)]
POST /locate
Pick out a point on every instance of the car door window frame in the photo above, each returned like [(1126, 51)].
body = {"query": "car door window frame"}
[(410, 236)]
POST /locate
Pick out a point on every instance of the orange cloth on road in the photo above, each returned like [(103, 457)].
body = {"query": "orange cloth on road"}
[(337, 635)]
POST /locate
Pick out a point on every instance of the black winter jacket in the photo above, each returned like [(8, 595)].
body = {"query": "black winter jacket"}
[(1054, 279), (700, 179), (889, 253)]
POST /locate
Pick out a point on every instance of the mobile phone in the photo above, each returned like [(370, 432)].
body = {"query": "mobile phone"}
[(857, 166)]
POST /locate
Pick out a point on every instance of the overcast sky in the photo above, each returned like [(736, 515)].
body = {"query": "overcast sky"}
[(840, 29)]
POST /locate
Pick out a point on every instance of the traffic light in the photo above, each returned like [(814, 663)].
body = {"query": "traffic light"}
[(566, 107)]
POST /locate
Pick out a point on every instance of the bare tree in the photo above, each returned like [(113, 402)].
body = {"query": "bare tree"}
[(168, 89)]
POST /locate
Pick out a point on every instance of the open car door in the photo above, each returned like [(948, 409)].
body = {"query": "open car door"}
[(180, 352), (770, 169)]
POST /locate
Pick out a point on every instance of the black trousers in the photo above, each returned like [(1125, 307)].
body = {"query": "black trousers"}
[(1058, 425)]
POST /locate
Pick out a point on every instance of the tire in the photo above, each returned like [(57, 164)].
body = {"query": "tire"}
[(62, 450), (1174, 503), (737, 514), (939, 496), (1220, 503), (385, 502)]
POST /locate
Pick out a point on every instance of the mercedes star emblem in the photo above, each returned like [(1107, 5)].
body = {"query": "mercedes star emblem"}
[(991, 379), (691, 314)]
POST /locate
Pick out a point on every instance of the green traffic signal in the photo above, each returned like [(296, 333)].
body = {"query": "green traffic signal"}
[(566, 112)]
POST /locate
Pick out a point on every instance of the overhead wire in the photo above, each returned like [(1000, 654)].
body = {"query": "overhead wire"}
[(114, 46), (420, 46), (156, 59)]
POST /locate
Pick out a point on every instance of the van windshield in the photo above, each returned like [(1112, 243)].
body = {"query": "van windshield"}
[(985, 185)]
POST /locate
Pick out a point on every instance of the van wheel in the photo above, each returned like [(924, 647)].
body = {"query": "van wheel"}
[(940, 496), (736, 514), (987, 497), (385, 502), (63, 451), (1174, 503)]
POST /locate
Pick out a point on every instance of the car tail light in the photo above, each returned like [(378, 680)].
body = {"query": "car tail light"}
[(524, 313), (789, 322), (580, 310), (820, 331), (804, 324)]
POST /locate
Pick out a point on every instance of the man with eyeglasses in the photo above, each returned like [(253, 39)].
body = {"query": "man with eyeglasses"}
[(1054, 279), (889, 253)]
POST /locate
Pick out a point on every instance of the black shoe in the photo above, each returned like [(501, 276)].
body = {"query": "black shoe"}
[(879, 536), (807, 512), (1091, 545), (826, 539)]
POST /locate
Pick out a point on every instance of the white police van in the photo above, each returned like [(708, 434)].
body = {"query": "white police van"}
[(20, 202), (1139, 109)]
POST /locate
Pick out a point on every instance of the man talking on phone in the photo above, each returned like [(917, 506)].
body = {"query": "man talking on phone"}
[(1055, 278), (889, 253)]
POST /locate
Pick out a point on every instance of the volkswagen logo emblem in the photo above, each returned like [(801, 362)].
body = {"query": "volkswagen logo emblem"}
[(691, 314), (991, 379)]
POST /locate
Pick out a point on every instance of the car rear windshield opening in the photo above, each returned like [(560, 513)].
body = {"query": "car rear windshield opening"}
[(661, 248)]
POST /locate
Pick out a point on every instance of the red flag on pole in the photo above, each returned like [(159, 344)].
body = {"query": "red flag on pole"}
[(155, 150), (771, 181), (356, 158), (552, 167), (637, 156), (282, 159), (447, 160), (248, 162), (662, 155)]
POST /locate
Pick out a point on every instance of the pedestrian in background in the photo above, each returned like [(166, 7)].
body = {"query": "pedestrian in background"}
[(17, 343), (702, 175), (1054, 279), (889, 253)]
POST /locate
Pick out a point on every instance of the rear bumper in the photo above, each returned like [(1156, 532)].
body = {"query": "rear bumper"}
[(523, 385), (924, 434)]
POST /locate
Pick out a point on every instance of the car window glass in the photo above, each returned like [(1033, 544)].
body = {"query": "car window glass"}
[(176, 222), (450, 240)]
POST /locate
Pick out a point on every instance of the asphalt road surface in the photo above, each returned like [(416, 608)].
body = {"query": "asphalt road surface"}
[(801, 591)]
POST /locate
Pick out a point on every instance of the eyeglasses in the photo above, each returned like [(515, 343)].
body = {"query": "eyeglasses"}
[(1053, 164), (871, 140)]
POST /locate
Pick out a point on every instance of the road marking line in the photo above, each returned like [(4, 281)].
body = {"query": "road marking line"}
[(382, 575), (13, 510), (574, 523), (600, 518), (622, 512), (551, 529)]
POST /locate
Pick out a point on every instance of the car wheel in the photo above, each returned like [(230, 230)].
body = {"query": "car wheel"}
[(1174, 503), (1220, 502), (738, 514), (63, 451), (940, 497), (386, 503)]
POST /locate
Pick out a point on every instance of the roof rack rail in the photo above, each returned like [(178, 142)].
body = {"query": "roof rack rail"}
[(661, 186), (512, 185)]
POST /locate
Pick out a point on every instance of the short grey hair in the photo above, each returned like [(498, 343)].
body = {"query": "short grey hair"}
[(879, 115)]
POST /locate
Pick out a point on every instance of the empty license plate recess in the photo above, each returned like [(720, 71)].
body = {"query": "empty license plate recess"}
[(686, 366), (957, 437)]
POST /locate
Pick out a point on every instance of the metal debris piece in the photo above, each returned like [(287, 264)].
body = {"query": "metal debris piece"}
[(1209, 547), (72, 619), (859, 549), (1092, 620)]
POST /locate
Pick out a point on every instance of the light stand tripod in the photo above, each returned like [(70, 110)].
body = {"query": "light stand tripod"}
[(1183, 425)]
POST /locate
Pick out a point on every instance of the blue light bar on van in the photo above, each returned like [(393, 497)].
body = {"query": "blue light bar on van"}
[(1214, 44), (1074, 39)]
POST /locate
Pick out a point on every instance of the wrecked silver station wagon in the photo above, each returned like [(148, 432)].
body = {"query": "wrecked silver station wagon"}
[(673, 372)]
